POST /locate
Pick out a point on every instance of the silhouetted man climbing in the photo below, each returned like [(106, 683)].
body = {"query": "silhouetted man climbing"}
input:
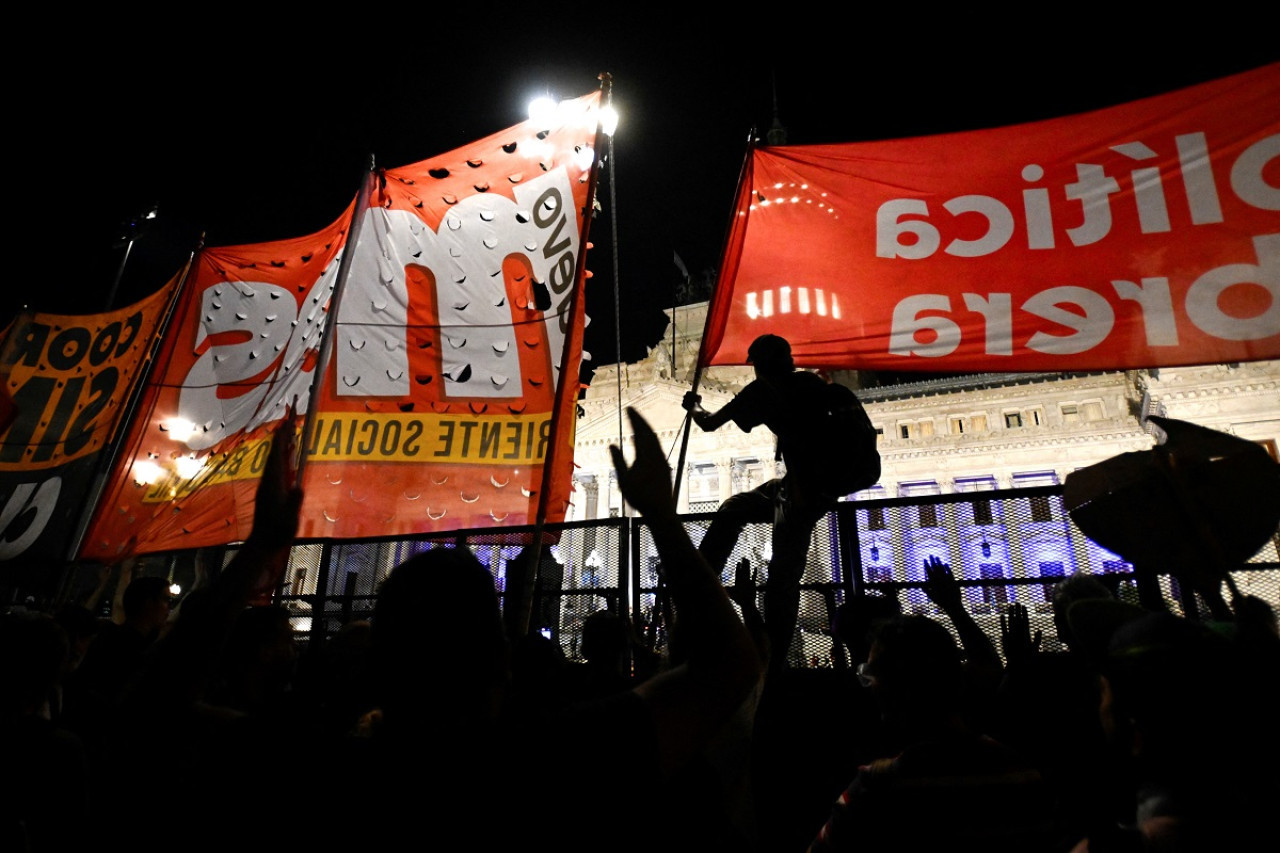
[(794, 405)]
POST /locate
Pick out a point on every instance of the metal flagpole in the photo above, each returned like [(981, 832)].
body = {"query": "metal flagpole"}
[(711, 306), (518, 619), (330, 330), (111, 452)]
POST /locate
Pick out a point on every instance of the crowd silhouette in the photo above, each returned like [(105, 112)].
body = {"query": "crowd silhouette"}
[(427, 725)]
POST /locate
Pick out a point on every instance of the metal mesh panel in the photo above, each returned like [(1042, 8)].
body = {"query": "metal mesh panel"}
[(1003, 547)]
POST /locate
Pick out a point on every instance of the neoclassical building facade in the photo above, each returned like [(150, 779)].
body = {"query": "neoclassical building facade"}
[(938, 436)]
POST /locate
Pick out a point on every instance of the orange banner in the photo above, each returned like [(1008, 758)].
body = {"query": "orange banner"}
[(435, 406), (1142, 235), (69, 380)]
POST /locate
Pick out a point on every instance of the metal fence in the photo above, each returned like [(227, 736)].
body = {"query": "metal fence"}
[(1004, 547)]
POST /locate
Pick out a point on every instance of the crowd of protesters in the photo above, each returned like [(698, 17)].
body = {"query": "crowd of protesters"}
[(428, 726)]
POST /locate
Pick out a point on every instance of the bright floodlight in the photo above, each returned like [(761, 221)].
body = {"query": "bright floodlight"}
[(175, 589), (608, 120), (145, 473), (178, 428), (188, 466), (542, 111)]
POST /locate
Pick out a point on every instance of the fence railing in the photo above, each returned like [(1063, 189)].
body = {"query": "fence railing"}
[(1004, 547)]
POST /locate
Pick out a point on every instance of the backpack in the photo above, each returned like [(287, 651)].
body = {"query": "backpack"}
[(849, 441)]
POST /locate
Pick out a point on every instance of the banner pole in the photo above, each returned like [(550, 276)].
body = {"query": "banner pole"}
[(711, 306), (111, 452), (520, 601), (331, 323)]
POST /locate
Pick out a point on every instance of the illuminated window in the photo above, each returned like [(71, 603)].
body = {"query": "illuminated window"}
[(1051, 572)]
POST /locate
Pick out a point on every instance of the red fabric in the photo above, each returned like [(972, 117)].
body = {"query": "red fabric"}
[(1047, 246), (433, 409)]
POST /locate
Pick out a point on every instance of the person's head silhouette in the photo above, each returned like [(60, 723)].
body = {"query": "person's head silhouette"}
[(770, 355)]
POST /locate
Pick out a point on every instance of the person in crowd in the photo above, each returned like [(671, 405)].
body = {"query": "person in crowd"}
[(789, 402), (608, 645), (1046, 706), (120, 648), (443, 758), (933, 793), (172, 729), (44, 788), (1177, 700), (982, 664)]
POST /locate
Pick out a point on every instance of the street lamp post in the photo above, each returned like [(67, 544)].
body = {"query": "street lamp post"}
[(132, 231)]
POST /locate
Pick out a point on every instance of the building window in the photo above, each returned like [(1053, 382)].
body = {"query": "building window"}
[(745, 475), (982, 512), (1093, 411), (1030, 479), (1070, 414), (904, 430), (704, 483), (993, 593), (926, 428), (982, 483), (918, 487), (1036, 417), (957, 426), (1012, 420), (1051, 572), (979, 423)]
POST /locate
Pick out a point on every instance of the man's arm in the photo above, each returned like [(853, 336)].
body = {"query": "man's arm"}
[(706, 421), (691, 702)]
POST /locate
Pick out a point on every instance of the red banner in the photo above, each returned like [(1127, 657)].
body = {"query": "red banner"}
[(68, 380), (435, 407), (438, 412), (242, 344), (1137, 236)]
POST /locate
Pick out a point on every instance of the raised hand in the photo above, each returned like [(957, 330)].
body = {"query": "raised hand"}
[(646, 482), (1016, 638), (941, 586), (279, 498)]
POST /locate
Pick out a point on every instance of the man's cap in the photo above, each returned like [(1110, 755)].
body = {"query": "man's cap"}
[(768, 350)]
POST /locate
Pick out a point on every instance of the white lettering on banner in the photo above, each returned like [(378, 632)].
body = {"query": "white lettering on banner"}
[(255, 344), (19, 504), (257, 338), (464, 263), (1092, 189), (1090, 315)]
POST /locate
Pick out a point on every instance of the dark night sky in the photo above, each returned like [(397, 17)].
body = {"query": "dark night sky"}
[(252, 136)]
